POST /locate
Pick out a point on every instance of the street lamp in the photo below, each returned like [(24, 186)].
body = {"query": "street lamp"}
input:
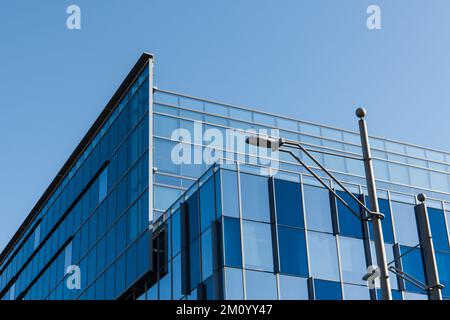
[(373, 214)]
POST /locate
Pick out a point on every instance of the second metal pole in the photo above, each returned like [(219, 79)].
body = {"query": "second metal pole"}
[(376, 221)]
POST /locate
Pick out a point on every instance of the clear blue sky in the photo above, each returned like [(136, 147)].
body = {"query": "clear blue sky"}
[(310, 59)]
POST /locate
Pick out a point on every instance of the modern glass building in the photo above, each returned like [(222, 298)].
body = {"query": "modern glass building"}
[(152, 204)]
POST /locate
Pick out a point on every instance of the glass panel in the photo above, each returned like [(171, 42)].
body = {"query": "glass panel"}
[(288, 203), (323, 256), (103, 185), (255, 197), (164, 197), (405, 223), (207, 206), (229, 193), (260, 285), (164, 126), (192, 205), (415, 296), (207, 258), (353, 292), (349, 224), (176, 233), (353, 260), (413, 265), (292, 250), (438, 229), (293, 288), (317, 207), (194, 263), (232, 242), (234, 287), (388, 234), (443, 265), (327, 290), (257, 246)]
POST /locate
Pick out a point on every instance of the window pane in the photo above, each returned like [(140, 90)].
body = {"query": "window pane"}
[(317, 207), (234, 287), (260, 285), (165, 197), (207, 259), (288, 200), (438, 229), (192, 204), (405, 224), (443, 264), (292, 250), (353, 260), (293, 288), (323, 256), (387, 221), (413, 265), (229, 192), (232, 242), (194, 263), (255, 197), (257, 246), (352, 292), (176, 233), (327, 290), (103, 185), (176, 268), (349, 224), (207, 206)]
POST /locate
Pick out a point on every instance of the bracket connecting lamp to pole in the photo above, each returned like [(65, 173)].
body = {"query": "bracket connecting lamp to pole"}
[(373, 215)]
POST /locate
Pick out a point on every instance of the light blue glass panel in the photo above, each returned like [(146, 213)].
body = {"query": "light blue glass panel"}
[(207, 254), (318, 210), (399, 173), (353, 260), (414, 296), (419, 177), (162, 156), (260, 285), (230, 199), (293, 288), (164, 197), (381, 170), (164, 126), (354, 292), (323, 256), (234, 287), (405, 223), (440, 181), (255, 197), (257, 246)]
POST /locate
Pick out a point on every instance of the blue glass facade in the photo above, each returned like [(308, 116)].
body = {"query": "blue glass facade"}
[(229, 223)]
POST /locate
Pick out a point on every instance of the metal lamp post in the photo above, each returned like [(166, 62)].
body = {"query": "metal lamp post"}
[(373, 214)]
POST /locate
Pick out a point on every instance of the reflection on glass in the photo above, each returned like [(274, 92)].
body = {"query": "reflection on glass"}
[(257, 246), (323, 256)]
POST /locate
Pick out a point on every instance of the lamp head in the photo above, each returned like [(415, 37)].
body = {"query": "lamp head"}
[(264, 142)]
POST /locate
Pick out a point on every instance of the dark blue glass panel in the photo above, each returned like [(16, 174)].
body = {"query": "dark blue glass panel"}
[(396, 295), (143, 254), (438, 229), (443, 264), (413, 265), (255, 197), (192, 204), (176, 233), (194, 263), (385, 209), (288, 199), (232, 242), (292, 250), (207, 257), (131, 264), (207, 206), (349, 224), (121, 232), (120, 274), (327, 290)]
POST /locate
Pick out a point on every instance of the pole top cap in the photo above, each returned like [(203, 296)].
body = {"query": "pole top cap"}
[(421, 197), (361, 112)]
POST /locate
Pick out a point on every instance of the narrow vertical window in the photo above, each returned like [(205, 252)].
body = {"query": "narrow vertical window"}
[(103, 185)]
